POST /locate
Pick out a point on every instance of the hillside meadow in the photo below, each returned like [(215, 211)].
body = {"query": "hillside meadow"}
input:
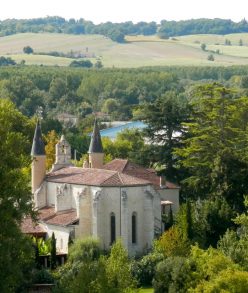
[(136, 52)]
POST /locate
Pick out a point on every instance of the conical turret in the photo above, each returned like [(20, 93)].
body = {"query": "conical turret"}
[(39, 159), (38, 147), (96, 150)]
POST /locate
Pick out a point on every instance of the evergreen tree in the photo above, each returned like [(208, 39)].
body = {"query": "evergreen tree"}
[(213, 153), (164, 118), (53, 252)]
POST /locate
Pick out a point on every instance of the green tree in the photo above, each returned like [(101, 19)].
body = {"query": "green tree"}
[(203, 47), (227, 281), (28, 50), (164, 118), (173, 274), (172, 243), (51, 140), (81, 271), (81, 63), (234, 244), (16, 252), (213, 151), (53, 252), (110, 105), (6, 61), (118, 269), (211, 57)]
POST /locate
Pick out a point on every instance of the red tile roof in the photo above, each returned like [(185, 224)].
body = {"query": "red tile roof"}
[(63, 218), (134, 170), (29, 227), (94, 177)]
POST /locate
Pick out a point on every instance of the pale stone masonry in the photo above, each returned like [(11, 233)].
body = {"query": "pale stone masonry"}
[(119, 199)]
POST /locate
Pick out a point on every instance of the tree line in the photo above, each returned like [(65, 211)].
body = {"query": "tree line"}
[(117, 31)]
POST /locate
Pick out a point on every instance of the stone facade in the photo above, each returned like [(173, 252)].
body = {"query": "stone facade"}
[(119, 199)]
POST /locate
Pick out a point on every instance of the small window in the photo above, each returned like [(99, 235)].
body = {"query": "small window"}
[(134, 228), (112, 229)]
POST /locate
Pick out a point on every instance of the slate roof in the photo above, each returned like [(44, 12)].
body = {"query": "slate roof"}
[(134, 170), (38, 147), (96, 142), (94, 177)]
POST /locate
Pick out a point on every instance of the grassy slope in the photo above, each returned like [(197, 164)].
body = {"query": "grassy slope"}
[(138, 51)]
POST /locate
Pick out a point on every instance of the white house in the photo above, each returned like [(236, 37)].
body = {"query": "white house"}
[(119, 199)]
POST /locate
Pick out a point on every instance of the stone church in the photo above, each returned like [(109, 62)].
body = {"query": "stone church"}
[(118, 199)]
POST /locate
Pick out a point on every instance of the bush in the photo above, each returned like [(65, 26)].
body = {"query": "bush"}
[(226, 281), (172, 243), (84, 250), (173, 275), (81, 63), (144, 269), (6, 61), (28, 50), (203, 47), (43, 276), (211, 57)]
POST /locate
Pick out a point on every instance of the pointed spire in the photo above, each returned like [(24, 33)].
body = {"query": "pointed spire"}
[(38, 147), (96, 142)]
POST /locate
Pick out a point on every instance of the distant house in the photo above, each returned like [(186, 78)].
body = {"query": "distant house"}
[(67, 118)]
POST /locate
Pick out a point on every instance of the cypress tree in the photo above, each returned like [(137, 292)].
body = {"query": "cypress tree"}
[(53, 252)]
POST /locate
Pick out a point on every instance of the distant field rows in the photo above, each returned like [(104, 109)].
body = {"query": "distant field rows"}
[(137, 51)]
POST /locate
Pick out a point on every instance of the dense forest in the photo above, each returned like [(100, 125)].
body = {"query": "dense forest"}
[(81, 91), (117, 31)]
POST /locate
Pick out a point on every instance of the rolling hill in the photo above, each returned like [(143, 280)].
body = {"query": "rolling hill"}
[(137, 51)]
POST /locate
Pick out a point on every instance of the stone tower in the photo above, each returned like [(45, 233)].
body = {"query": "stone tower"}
[(63, 154), (38, 159), (95, 150)]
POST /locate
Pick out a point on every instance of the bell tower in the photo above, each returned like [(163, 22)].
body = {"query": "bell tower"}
[(63, 154), (96, 150), (38, 158)]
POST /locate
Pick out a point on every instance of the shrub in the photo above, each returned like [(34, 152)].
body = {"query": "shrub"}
[(173, 275), (211, 57), (144, 269), (28, 50), (172, 243), (43, 276), (203, 47), (81, 63)]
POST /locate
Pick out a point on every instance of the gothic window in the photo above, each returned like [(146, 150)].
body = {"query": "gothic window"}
[(112, 228), (134, 228)]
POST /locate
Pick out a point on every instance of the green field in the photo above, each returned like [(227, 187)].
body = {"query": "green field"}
[(137, 51)]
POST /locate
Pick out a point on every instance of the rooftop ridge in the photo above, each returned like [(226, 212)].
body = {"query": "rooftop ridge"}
[(121, 179), (109, 178)]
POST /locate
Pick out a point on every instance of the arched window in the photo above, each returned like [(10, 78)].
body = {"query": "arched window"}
[(112, 229), (134, 228)]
